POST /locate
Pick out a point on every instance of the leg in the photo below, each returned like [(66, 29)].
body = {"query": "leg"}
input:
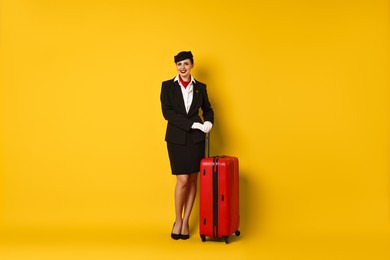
[(180, 198), (189, 203)]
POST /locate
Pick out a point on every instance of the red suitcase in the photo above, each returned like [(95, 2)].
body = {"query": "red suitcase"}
[(219, 197)]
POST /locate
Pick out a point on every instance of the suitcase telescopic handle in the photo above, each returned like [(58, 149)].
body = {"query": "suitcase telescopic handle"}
[(207, 147)]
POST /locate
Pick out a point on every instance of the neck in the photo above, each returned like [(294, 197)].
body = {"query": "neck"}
[(186, 79)]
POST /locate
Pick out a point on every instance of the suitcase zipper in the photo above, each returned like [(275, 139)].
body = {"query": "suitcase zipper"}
[(215, 197)]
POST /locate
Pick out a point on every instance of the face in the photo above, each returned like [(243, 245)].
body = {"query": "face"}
[(184, 68)]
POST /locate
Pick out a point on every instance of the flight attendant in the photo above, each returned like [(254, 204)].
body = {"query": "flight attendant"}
[(181, 100)]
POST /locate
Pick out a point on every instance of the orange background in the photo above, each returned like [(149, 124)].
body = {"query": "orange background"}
[(301, 95)]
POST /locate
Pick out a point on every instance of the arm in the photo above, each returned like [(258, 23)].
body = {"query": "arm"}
[(168, 111), (207, 110)]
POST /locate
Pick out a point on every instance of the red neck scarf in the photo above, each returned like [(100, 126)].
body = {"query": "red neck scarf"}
[(184, 83)]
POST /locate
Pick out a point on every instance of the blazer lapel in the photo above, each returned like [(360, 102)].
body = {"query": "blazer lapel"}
[(177, 93), (195, 97)]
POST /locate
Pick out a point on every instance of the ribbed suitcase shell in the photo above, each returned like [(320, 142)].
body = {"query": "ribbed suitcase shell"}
[(219, 197)]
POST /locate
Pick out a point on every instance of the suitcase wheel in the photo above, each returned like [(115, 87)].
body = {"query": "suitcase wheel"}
[(237, 233), (203, 237), (227, 240)]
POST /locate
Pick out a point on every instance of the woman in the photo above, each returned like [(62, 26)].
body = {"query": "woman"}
[(181, 99)]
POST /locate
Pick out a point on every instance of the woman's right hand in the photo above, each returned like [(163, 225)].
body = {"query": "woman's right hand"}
[(197, 125)]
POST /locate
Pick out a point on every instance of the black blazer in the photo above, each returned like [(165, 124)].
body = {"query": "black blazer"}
[(173, 109)]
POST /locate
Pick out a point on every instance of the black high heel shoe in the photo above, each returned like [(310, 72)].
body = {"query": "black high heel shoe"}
[(185, 237), (173, 235)]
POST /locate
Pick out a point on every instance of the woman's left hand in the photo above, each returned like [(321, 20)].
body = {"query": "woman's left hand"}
[(207, 126)]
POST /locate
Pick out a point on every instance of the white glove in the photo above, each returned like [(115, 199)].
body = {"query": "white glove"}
[(197, 125), (207, 126)]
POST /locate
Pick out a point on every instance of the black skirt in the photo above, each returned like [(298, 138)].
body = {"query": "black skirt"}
[(185, 158)]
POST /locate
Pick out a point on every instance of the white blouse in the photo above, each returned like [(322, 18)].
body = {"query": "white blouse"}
[(187, 92)]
